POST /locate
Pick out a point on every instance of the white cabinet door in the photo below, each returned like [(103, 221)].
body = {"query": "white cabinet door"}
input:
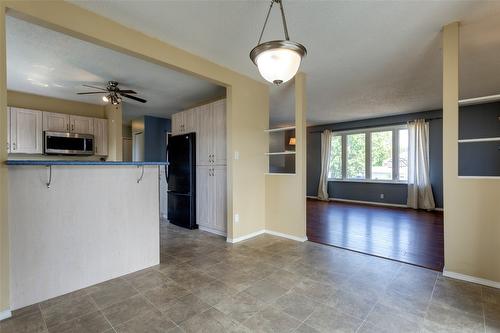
[(188, 121), (55, 122), (100, 137), (26, 131), (81, 125), (177, 123), (204, 140), (219, 201), (204, 197), (8, 130), (219, 132)]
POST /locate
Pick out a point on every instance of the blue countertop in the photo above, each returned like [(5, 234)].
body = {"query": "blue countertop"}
[(59, 162)]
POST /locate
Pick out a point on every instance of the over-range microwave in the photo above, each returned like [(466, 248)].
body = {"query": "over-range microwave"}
[(62, 143)]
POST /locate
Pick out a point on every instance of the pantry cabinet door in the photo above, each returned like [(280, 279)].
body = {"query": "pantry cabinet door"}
[(219, 132), (219, 198), (204, 198), (204, 139), (101, 137)]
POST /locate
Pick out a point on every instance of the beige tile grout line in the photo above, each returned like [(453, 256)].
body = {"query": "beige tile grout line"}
[(100, 311), (484, 313), (43, 317)]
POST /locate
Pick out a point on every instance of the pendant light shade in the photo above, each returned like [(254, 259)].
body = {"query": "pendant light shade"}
[(279, 60)]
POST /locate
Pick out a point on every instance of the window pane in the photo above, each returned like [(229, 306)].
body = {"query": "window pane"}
[(381, 155), (403, 154), (335, 170), (356, 156)]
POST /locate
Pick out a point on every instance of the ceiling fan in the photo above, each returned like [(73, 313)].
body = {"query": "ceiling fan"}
[(112, 93)]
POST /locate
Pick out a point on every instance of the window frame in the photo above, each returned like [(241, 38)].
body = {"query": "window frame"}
[(368, 154)]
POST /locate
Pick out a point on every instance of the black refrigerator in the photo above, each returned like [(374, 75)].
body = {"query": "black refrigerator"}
[(181, 179)]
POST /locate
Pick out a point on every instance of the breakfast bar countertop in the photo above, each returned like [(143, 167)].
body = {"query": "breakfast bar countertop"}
[(61, 162)]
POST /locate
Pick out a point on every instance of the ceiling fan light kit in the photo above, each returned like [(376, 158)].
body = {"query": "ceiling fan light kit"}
[(278, 60), (112, 93)]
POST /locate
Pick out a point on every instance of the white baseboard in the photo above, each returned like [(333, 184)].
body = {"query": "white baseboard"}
[(5, 314), (265, 231), (376, 203), (279, 234), (473, 279), (242, 238), (212, 231)]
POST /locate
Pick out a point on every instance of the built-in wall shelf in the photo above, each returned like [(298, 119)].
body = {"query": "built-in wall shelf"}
[(479, 100), (281, 153), (479, 140), (279, 129)]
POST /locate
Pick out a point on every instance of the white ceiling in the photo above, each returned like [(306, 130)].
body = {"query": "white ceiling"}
[(44, 62), (366, 58)]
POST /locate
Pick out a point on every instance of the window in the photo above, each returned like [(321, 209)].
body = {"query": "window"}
[(381, 155), (356, 156), (375, 154), (335, 171)]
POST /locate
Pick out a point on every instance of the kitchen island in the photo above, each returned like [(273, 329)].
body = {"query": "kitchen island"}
[(73, 224)]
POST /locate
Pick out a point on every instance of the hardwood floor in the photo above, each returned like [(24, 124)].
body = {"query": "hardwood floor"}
[(407, 235)]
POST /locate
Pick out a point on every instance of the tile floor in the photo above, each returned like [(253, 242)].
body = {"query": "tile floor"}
[(266, 284)]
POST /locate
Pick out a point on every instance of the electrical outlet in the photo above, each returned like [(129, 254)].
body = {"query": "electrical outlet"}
[(381, 195), (236, 218)]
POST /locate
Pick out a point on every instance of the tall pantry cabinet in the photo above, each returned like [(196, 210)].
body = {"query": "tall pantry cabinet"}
[(209, 123)]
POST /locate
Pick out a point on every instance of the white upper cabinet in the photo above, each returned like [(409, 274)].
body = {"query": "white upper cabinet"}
[(26, 131), (177, 123), (101, 137), (55, 122), (81, 125), (188, 119)]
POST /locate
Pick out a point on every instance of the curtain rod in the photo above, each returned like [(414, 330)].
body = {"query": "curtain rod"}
[(371, 126)]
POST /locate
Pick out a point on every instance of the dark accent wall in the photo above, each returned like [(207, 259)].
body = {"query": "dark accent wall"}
[(366, 191), (479, 158), (155, 129)]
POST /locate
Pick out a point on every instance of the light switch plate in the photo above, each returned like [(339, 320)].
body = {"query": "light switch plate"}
[(236, 155)]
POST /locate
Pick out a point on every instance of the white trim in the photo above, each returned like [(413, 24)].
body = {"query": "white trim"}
[(264, 231), (478, 100), (370, 181), (369, 202), (479, 140), (370, 129), (212, 231), (479, 177), (242, 238), (279, 129), (288, 152), (279, 174), (279, 234), (472, 279), (5, 314)]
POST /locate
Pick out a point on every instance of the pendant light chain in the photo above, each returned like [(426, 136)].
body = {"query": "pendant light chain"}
[(282, 18)]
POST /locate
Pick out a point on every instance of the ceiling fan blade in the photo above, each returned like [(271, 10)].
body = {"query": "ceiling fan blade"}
[(91, 92), (88, 86), (127, 91), (134, 98)]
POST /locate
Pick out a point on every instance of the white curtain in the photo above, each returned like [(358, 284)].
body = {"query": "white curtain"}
[(326, 142), (419, 184)]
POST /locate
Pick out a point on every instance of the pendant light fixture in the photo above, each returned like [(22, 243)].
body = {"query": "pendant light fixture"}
[(278, 60)]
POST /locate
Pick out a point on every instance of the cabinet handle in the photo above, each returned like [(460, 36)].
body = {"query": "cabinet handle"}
[(67, 127), (13, 146)]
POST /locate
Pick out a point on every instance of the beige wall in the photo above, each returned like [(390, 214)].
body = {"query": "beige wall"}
[(472, 214), (4, 231), (247, 113), (50, 104), (286, 194)]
